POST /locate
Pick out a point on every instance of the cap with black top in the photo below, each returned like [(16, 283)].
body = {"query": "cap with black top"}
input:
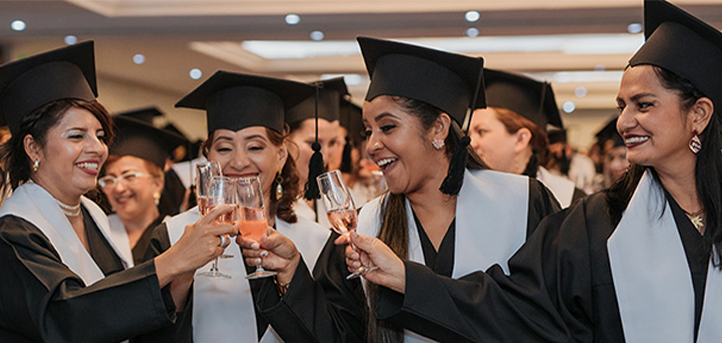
[(137, 138), (235, 101), (609, 133), (351, 119), (146, 114), (527, 97), (65, 73), (684, 45), (450, 82), (330, 95)]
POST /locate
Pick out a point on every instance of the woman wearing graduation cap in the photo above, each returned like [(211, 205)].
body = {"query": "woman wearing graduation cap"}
[(613, 155), (133, 180), (314, 122), (66, 276), (246, 134), (510, 133), (638, 263), (444, 210)]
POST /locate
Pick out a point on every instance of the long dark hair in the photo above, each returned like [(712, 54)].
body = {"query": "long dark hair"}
[(708, 167), (394, 226), (283, 207), (37, 124)]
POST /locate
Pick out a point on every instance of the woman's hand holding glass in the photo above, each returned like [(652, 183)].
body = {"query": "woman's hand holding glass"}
[(251, 218), (221, 191), (388, 269), (274, 251)]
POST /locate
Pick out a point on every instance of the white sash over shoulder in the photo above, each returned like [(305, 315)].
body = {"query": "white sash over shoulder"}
[(561, 187), (34, 204), (651, 275), (222, 305), (491, 224)]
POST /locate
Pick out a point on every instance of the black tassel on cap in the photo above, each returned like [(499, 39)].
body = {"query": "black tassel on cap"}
[(455, 176), (346, 165), (316, 166)]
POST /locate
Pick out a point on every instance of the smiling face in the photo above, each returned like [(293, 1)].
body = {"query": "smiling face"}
[(328, 137), (398, 143), (248, 152), (655, 128), (71, 157), (133, 196)]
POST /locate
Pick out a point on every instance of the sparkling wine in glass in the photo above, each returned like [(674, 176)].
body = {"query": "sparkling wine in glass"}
[(220, 191), (252, 221), (340, 209), (204, 172)]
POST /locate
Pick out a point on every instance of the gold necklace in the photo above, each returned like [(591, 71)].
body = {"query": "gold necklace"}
[(696, 218)]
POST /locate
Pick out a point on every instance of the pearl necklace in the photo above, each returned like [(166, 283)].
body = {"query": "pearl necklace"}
[(70, 211)]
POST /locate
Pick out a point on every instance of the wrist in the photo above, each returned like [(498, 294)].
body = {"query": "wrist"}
[(286, 275)]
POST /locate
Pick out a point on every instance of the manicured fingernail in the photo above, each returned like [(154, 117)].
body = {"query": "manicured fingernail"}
[(255, 245), (257, 261), (264, 253)]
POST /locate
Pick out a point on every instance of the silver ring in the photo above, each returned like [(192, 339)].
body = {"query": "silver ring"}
[(224, 241)]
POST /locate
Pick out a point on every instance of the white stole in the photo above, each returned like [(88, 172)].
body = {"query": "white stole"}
[(651, 275), (220, 305), (561, 187), (491, 224)]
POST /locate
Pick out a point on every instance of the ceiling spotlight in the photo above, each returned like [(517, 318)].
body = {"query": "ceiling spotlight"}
[(635, 28), (599, 67), (195, 73), (569, 107), (580, 92), (292, 19), (139, 59), (472, 16), (70, 40), (317, 36), (18, 25), (472, 32)]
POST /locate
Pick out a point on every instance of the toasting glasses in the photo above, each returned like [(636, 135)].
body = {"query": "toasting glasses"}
[(220, 191), (252, 222), (340, 209)]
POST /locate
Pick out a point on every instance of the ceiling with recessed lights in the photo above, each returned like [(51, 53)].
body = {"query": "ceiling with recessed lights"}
[(581, 46)]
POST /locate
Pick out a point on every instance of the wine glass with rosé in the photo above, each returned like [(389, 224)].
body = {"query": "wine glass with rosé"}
[(340, 209), (204, 172), (251, 217), (220, 191)]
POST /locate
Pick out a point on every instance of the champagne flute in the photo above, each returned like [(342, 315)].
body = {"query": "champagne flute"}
[(220, 191), (252, 222), (204, 172), (340, 209)]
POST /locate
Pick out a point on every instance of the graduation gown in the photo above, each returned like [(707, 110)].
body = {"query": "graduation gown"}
[(563, 189), (141, 245), (173, 194), (56, 291), (563, 288), (220, 305), (333, 309)]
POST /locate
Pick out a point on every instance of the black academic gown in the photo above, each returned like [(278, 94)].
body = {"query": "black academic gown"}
[(42, 300), (560, 288), (173, 194), (333, 309), (139, 250)]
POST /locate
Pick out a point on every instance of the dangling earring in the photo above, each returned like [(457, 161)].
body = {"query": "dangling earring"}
[(156, 198), (36, 165), (438, 144), (279, 188), (695, 144)]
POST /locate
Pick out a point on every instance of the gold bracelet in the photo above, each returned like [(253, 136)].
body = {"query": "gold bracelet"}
[(282, 288)]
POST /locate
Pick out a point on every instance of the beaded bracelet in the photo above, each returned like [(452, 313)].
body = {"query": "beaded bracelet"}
[(282, 288)]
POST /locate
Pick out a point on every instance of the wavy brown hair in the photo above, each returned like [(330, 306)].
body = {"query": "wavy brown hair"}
[(539, 142), (283, 207), (38, 123)]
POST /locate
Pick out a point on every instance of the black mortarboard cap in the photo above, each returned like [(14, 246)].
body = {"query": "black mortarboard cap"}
[(557, 135), (65, 73), (235, 101), (529, 98), (445, 80), (609, 133), (330, 94), (144, 114), (684, 45), (352, 120), (137, 138)]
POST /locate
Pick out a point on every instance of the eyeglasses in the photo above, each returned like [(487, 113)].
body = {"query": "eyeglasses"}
[(108, 182)]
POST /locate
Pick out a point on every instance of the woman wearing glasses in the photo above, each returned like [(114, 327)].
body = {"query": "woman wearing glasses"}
[(133, 180), (65, 276)]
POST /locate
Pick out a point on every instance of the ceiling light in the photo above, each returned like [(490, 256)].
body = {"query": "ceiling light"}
[(580, 92), (195, 73), (472, 16), (472, 32), (292, 19), (635, 28), (569, 107), (18, 25), (317, 36), (139, 59), (70, 40)]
